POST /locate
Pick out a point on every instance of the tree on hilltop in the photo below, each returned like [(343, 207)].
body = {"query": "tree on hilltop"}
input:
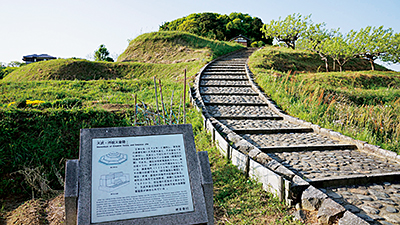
[(341, 48), (217, 26), (288, 30), (102, 54), (314, 40), (393, 53), (372, 42)]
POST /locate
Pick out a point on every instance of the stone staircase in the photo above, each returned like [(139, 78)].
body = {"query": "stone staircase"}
[(343, 179)]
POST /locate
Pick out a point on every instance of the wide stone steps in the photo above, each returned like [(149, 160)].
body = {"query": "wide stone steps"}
[(364, 183)]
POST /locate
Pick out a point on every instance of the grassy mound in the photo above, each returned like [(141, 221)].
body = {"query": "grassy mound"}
[(78, 69), (284, 59), (162, 54), (173, 47), (361, 104), (43, 105)]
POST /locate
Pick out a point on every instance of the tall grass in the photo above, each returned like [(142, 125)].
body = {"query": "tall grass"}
[(363, 105)]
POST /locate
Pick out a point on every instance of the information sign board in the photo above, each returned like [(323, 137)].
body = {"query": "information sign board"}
[(143, 175), (135, 177)]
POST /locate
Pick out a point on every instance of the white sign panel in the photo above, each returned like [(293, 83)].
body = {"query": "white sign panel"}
[(135, 177)]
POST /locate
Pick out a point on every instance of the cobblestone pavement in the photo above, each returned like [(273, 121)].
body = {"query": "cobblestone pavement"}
[(375, 203), (290, 139), (238, 110), (334, 163), (227, 94), (250, 124)]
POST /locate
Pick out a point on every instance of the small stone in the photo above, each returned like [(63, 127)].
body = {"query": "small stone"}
[(329, 210), (365, 217), (378, 194), (334, 195), (376, 217), (364, 198), (299, 215), (354, 201), (352, 208), (391, 209), (392, 218), (359, 191), (351, 219), (396, 186), (386, 223), (298, 206), (346, 193), (386, 183), (375, 205), (312, 198), (387, 201), (370, 210)]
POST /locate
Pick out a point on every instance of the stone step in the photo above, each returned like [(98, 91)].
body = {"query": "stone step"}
[(225, 73), (224, 77), (226, 90), (236, 103), (273, 131), (292, 139), (248, 117), (305, 147), (315, 163), (228, 94), (227, 69), (238, 110), (221, 99), (257, 123), (225, 83)]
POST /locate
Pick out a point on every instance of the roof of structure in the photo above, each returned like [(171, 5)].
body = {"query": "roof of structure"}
[(242, 36), (40, 56)]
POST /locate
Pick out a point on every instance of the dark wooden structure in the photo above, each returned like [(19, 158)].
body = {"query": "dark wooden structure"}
[(241, 39), (37, 58)]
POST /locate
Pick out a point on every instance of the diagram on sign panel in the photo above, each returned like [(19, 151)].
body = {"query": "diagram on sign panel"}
[(112, 181), (113, 158)]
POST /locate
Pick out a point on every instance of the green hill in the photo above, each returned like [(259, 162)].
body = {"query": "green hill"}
[(302, 61), (358, 102), (162, 54), (174, 47)]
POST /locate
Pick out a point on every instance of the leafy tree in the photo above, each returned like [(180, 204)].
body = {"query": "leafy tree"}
[(372, 42), (220, 27), (393, 51), (341, 48), (15, 64), (288, 30), (314, 40), (102, 54)]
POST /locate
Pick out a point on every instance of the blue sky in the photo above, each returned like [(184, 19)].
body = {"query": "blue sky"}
[(75, 28)]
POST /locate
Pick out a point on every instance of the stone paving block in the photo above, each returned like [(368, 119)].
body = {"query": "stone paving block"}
[(312, 198), (351, 219), (329, 211)]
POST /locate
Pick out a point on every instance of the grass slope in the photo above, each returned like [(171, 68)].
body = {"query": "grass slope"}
[(173, 47), (361, 104), (162, 54), (301, 61)]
